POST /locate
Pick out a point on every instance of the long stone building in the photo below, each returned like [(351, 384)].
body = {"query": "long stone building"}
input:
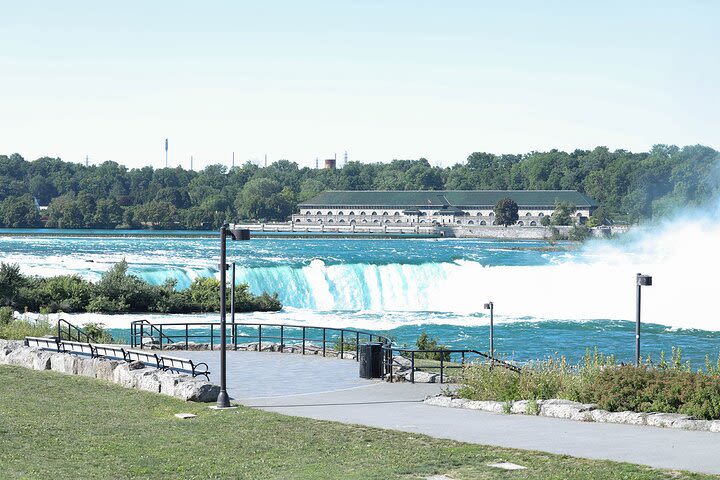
[(450, 207)]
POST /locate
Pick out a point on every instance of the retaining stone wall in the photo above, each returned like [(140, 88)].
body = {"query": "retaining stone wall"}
[(129, 375)]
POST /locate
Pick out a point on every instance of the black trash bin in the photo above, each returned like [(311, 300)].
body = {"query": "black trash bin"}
[(371, 360)]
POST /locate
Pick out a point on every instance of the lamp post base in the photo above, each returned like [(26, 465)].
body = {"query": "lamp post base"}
[(223, 401)]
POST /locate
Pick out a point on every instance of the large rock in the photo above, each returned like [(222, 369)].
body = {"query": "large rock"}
[(486, 406), (105, 367), (558, 408), (665, 419), (64, 363), (129, 377), (41, 360), (422, 377), (631, 418), (86, 366), (197, 390), (22, 357), (147, 380)]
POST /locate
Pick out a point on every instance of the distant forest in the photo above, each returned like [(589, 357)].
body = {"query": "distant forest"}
[(630, 186)]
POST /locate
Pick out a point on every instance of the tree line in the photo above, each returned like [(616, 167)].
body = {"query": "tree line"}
[(629, 186)]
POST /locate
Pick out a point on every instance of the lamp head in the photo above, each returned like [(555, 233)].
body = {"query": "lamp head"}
[(488, 305), (236, 233), (644, 280)]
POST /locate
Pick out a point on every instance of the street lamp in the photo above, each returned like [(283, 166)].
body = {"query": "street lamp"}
[(489, 306), (641, 281), (223, 400)]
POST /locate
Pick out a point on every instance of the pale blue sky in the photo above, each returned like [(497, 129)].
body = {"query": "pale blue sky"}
[(380, 79)]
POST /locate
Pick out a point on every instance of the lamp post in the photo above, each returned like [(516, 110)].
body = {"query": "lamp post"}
[(490, 306), (223, 400), (232, 305), (641, 281)]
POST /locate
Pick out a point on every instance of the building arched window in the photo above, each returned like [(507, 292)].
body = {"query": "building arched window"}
[(352, 222), (533, 223), (309, 220), (458, 222), (478, 214), (362, 213), (342, 220), (330, 220), (308, 213), (364, 220), (520, 223), (579, 214), (397, 214), (318, 213), (329, 213), (297, 220), (374, 213), (491, 214), (340, 213), (351, 213), (470, 222), (386, 221), (319, 220), (528, 214), (385, 213), (482, 222), (375, 221), (541, 214)]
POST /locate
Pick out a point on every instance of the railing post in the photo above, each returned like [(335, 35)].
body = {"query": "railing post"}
[(161, 337), (212, 336), (235, 336), (303, 340), (142, 334), (357, 346), (342, 343), (323, 342), (442, 360), (187, 328), (282, 339), (412, 367), (259, 338)]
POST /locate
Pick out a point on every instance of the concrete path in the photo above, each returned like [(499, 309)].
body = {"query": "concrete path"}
[(328, 389)]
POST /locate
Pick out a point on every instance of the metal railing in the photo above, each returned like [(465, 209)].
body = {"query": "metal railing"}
[(438, 360), (68, 331), (321, 339)]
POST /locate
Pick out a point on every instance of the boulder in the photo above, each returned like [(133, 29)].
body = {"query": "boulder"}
[(715, 425), (631, 418), (439, 401), (699, 425), (558, 408), (486, 406), (86, 366), (665, 419), (64, 363), (127, 376), (197, 390), (41, 360), (22, 357), (422, 377), (105, 367), (402, 362), (520, 406), (147, 380)]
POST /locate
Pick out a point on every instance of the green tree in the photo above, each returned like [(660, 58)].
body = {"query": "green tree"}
[(563, 214), (506, 212)]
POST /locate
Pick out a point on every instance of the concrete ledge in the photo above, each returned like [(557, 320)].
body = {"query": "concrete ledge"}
[(129, 375), (584, 412)]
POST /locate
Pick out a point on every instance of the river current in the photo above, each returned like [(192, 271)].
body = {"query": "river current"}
[(548, 300)]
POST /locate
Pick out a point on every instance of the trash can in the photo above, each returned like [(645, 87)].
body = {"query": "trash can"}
[(371, 360)]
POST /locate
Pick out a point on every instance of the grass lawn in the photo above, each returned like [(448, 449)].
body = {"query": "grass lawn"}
[(59, 426)]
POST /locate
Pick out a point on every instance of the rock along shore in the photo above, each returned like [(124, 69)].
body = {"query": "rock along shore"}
[(584, 412)]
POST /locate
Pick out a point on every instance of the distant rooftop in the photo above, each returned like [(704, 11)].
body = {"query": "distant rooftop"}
[(439, 198)]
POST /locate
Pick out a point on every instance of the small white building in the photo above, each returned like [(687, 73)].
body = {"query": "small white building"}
[(449, 207)]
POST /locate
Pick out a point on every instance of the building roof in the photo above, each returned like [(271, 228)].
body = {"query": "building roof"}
[(440, 198)]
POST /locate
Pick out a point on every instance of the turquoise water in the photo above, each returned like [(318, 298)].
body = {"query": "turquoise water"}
[(547, 300)]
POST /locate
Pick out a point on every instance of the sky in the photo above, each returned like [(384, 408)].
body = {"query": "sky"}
[(381, 80)]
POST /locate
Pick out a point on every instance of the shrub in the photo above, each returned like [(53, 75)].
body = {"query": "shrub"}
[(6, 315), (98, 333), (424, 342), (18, 329)]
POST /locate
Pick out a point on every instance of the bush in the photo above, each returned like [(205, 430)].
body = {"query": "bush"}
[(424, 342), (98, 333), (18, 329), (6, 315), (670, 388), (579, 233)]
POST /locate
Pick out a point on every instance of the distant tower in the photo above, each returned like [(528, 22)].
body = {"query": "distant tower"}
[(191, 163), (345, 159), (317, 163), (233, 161), (87, 160), (266, 160), (166, 153), (330, 163)]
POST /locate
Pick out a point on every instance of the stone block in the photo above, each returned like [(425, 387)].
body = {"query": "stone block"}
[(22, 357), (197, 390), (486, 406), (520, 406), (631, 418), (41, 360), (665, 419), (558, 408), (86, 366), (64, 363), (105, 367)]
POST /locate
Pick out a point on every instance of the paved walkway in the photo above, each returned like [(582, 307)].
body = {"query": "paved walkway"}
[(329, 389)]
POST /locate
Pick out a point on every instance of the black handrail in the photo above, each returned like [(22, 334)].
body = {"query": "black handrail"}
[(388, 360), (310, 335), (73, 333), (137, 329)]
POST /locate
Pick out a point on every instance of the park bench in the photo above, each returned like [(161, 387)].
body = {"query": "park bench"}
[(109, 351), (145, 357), (177, 365), (45, 343), (80, 348)]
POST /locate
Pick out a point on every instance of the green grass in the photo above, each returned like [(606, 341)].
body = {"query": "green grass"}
[(58, 426)]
